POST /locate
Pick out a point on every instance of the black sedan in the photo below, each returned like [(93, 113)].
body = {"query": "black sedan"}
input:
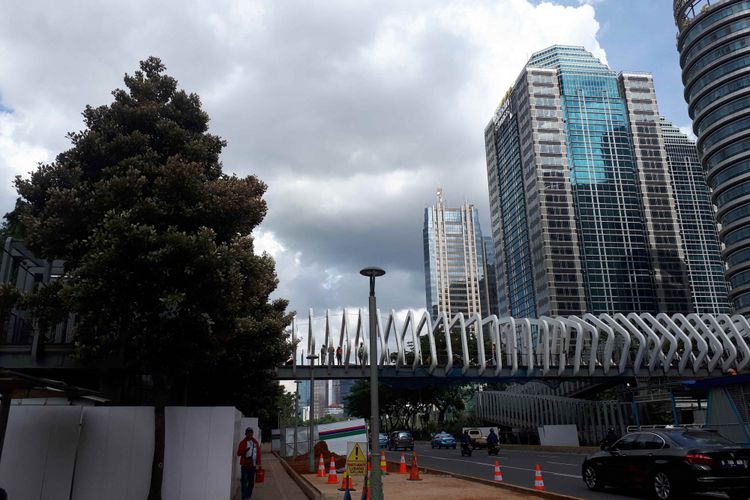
[(669, 463)]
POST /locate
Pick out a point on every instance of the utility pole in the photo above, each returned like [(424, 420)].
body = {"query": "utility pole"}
[(310, 440), (376, 479)]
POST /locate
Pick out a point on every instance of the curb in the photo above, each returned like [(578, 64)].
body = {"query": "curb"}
[(306, 486), (519, 489)]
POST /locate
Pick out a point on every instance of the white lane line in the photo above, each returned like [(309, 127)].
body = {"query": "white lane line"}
[(543, 471), (507, 466), (563, 463)]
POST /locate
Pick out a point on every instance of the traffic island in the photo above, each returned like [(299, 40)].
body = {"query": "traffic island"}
[(431, 486)]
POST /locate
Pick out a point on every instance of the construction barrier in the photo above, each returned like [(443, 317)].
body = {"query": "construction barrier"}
[(402, 465)]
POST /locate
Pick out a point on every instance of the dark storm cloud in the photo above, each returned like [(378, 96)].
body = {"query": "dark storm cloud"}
[(352, 112)]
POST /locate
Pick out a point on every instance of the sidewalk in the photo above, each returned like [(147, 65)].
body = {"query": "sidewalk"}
[(278, 485)]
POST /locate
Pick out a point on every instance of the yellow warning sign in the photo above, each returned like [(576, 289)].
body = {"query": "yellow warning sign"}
[(356, 461)]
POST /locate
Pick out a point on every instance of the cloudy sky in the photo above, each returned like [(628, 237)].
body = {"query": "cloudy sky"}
[(353, 112)]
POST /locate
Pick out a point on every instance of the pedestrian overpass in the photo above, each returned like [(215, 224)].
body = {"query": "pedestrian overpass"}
[(589, 347)]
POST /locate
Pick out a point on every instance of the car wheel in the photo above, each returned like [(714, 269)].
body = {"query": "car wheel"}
[(592, 479), (739, 494), (662, 486)]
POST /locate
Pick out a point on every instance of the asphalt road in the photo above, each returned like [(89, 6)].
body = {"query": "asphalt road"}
[(561, 471)]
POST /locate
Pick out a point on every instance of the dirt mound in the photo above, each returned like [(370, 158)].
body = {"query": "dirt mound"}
[(301, 463)]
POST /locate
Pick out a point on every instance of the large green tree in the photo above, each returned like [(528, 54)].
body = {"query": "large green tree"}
[(160, 266)]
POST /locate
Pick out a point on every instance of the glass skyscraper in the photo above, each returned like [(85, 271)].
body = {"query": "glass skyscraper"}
[(714, 46), (454, 260), (697, 223), (584, 215)]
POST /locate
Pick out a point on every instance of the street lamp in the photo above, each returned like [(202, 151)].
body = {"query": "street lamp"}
[(311, 451), (376, 480)]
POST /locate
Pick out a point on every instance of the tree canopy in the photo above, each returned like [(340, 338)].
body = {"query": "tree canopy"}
[(161, 270), (399, 406)]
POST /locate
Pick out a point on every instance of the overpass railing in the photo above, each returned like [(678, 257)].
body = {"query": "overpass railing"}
[(619, 344)]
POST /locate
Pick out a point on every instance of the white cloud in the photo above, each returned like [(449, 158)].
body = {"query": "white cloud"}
[(688, 131), (265, 241), (18, 152), (351, 112)]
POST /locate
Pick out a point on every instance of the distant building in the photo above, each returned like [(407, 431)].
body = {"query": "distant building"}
[(320, 402), (334, 392), (346, 389), (697, 223), (454, 260), (488, 283), (304, 393), (583, 209)]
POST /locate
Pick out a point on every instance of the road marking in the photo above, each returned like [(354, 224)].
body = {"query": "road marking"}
[(563, 463), (544, 471), (505, 466)]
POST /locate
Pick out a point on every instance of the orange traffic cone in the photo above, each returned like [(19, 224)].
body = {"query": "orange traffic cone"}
[(414, 473), (346, 482), (402, 465), (383, 464), (321, 467), (332, 478), (538, 481), (366, 488), (498, 473)]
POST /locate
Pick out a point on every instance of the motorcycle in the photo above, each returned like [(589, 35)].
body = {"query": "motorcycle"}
[(465, 450), (493, 449)]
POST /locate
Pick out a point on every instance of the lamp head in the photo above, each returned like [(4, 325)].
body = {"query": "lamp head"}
[(372, 272)]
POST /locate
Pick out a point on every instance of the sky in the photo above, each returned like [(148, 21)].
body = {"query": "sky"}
[(353, 112)]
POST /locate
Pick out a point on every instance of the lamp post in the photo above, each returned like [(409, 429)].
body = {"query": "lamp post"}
[(310, 440), (296, 413), (376, 480)]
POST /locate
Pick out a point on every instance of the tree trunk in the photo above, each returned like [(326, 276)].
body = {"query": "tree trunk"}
[(157, 465)]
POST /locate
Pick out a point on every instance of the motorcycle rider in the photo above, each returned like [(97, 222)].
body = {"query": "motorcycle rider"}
[(466, 443), (492, 441)]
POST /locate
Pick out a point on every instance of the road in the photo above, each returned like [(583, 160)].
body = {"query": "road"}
[(561, 471)]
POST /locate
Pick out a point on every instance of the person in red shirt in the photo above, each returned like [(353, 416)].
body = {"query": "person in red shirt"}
[(249, 453)]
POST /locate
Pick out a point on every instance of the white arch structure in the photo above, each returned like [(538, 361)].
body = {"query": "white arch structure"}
[(610, 345)]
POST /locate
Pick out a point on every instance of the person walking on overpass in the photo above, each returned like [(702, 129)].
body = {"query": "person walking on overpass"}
[(330, 355), (323, 355), (249, 453), (339, 354), (361, 353)]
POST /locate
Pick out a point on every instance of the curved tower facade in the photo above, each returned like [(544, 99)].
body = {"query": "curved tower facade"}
[(714, 44)]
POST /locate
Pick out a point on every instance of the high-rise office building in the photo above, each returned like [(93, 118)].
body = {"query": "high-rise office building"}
[(453, 259), (584, 218), (320, 398), (488, 283), (697, 223), (714, 47)]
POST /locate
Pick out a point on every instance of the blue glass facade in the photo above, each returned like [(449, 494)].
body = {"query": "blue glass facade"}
[(714, 46), (612, 236), (582, 204)]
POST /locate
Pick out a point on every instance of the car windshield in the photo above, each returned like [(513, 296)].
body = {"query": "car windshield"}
[(700, 439), (404, 435)]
